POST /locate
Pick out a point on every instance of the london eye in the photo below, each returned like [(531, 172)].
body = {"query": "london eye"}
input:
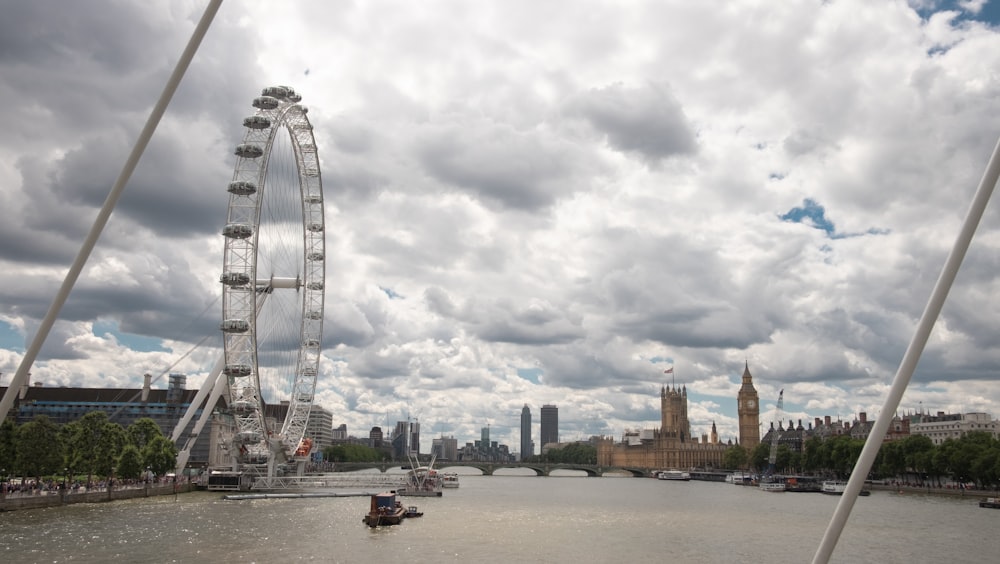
[(273, 284)]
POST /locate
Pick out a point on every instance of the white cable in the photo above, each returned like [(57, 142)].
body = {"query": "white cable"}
[(109, 205), (910, 359)]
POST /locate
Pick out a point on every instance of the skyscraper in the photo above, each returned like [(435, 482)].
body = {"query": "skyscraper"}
[(550, 425), (527, 448)]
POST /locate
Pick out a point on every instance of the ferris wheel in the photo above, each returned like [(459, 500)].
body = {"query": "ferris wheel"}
[(273, 283)]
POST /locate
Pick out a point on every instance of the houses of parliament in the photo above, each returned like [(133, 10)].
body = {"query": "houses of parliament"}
[(672, 446)]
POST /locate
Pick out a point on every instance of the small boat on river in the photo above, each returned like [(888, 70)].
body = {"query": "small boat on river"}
[(675, 475), (990, 502), (385, 510)]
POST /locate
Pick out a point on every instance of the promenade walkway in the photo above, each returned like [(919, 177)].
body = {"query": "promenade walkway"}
[(34, 498)]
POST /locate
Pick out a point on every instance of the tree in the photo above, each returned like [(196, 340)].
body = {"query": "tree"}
[(352, 453), (160, 455), (36, 444), (574, 453), (130, 464), (142, 431), (95, 444), (7, 432), (812, 451), (759, 457), (735, 458)]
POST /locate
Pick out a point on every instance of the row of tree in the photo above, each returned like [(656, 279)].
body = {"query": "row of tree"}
[(92, 446), (973, 458)]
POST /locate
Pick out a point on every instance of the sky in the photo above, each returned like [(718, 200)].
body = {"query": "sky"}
[(526, 203)]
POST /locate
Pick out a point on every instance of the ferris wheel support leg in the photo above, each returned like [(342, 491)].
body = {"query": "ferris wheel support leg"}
[(221, 383), (208, 384)]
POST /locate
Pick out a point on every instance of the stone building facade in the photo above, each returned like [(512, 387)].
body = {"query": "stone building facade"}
[(672, 445)]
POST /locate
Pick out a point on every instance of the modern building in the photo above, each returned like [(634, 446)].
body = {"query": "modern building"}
[(319, 427), (550, 425), (527, 447), (445, 448), (122, 405), (375, 437), (415, 438)]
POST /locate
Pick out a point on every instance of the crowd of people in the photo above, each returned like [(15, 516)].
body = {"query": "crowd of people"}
[(31, 486)]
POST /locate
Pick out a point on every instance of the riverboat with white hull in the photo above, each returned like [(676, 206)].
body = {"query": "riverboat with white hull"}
[(674, 475)]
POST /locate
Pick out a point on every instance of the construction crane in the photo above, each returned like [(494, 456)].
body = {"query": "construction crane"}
[(774, 433)]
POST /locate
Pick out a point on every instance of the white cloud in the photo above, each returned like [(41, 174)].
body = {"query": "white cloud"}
[(519, 185)]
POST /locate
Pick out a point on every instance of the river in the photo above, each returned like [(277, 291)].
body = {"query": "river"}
[(512, 519)]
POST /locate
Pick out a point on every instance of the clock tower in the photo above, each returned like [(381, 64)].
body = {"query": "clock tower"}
[(749, 412)]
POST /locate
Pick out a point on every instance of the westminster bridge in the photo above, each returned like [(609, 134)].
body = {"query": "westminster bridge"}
[(488, 468)]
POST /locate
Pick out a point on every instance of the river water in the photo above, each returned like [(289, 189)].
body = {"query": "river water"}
[(513, 519)]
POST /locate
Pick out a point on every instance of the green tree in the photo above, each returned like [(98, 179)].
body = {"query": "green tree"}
[(352, 453), (759, 457), (735, 458), (160, 455), (812, 451), (892, 460), (573, 453), (95, 444), (142, 431), (7, 432), (36, 444), (130, 464)]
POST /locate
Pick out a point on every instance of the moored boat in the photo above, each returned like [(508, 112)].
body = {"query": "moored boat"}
[(741, 479), (449, 480), (676, 475), (834, 487), (990, 502), (772, 484)]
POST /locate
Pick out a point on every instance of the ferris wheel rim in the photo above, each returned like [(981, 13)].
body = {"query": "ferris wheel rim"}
[(245, 291)]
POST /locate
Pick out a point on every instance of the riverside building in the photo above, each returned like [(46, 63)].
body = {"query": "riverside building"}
[(672, 445)]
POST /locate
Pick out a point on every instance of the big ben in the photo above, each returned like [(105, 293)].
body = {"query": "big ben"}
[(749, 412)]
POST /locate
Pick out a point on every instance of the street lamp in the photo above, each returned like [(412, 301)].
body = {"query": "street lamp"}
[(65, 479)]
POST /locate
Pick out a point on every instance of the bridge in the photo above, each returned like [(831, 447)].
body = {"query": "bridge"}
[(489, 468)]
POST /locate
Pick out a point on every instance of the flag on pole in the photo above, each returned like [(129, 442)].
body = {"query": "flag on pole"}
[(669, 370)]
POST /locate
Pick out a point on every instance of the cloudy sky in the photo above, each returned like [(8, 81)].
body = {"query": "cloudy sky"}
[(527, 203)]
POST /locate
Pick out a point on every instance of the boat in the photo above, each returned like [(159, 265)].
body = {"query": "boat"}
[(423, 481), (801, 484), (772, 484), (741, 479), (449, 480), (838, 487), (412, 512), (990, 502), (834, 487), (384, 511), (676, 475)]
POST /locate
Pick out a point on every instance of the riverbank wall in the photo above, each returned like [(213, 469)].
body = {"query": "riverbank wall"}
[(17, 502)]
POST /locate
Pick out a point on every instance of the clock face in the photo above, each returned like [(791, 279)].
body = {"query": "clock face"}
[(751, 403)]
